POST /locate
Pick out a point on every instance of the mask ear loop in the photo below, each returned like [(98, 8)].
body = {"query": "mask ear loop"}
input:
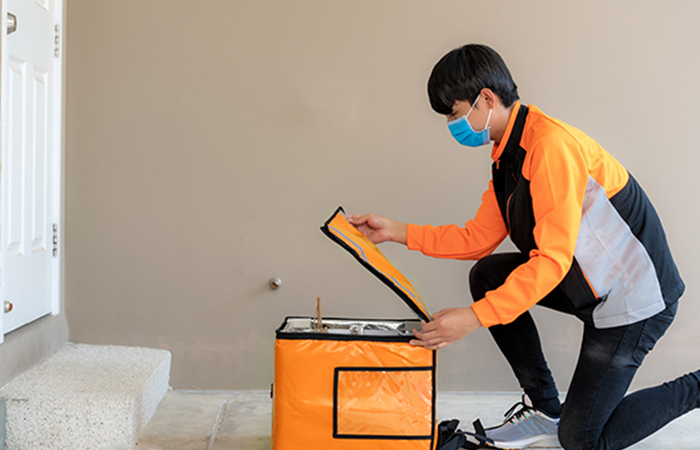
[(488, 119), (473, 105)]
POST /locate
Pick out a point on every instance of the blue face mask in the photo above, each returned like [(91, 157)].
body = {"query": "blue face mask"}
[(463, 132)]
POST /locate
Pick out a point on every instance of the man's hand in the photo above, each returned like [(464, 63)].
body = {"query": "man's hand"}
[(379, 229), (448, 326)]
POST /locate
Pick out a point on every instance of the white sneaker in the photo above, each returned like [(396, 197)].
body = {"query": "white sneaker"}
[(525, 427)]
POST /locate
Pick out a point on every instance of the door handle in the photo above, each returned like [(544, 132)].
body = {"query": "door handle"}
[(8, 307), (11, 23)]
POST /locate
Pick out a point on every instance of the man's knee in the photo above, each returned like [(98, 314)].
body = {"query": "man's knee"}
[(568, 437), (572, 435), (490, 272), (476, 279)]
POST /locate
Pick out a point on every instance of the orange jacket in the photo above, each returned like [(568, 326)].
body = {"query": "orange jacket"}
[(566, 177)]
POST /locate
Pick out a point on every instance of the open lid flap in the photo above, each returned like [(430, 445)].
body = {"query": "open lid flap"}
[(351, 239)]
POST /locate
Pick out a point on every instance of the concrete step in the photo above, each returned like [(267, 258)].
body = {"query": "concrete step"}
[(90, 397)]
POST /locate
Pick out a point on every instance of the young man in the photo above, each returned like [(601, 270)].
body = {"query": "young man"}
[(590, 244)]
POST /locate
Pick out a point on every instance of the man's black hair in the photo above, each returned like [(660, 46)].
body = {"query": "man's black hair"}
[(462, 73)]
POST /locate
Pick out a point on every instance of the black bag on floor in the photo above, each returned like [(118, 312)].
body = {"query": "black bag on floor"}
[(452, 438)]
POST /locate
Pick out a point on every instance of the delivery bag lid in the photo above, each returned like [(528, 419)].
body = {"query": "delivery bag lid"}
[(358, 245)]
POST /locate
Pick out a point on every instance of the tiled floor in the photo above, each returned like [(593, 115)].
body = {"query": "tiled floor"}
[(203, 420)]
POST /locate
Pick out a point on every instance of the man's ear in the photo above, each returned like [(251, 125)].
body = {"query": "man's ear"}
[(490, 98)]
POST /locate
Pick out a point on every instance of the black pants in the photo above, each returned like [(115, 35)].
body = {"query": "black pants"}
[(596, 414)]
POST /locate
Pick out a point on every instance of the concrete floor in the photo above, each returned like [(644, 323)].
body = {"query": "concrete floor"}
[(204, 420)]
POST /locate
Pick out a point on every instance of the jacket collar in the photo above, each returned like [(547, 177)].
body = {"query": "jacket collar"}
[(498, 148)]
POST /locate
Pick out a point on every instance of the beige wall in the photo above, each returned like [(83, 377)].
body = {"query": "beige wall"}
[(208, 140)]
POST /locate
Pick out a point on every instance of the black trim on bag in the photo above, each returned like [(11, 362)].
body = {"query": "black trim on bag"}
[(411, 304), (342, 337), (431, 369), (279, 334)]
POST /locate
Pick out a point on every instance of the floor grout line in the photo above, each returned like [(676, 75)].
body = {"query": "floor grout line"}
[(215, 431)]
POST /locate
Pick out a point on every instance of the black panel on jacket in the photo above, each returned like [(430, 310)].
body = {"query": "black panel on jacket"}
[(513, 190), (636, 209)]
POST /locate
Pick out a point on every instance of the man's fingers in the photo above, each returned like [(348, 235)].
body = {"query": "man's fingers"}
[(417, 343), (429, 340), (429, 346), (428, 326), (358, 219), (449, 326), (423, 335), (440, 313)]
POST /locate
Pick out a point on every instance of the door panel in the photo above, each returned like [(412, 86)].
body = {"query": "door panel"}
[(40, 159), (15, 158)]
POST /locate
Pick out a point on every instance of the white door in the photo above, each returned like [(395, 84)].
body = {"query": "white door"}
[(31, 161)]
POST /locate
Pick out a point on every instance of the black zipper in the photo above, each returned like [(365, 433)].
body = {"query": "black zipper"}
[(508, 202)]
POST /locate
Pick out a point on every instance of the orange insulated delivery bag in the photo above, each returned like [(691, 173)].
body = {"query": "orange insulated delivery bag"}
[(355, 384)]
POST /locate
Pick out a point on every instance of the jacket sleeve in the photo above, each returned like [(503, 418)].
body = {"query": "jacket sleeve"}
[(479, 237), (558, 179)]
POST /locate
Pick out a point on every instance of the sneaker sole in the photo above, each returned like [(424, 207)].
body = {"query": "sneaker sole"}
[(534, 442)]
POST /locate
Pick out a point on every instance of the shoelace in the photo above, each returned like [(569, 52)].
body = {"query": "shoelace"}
[(515, 416)]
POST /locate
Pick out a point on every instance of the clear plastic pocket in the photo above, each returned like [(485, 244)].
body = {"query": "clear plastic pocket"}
[(383, 403)]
